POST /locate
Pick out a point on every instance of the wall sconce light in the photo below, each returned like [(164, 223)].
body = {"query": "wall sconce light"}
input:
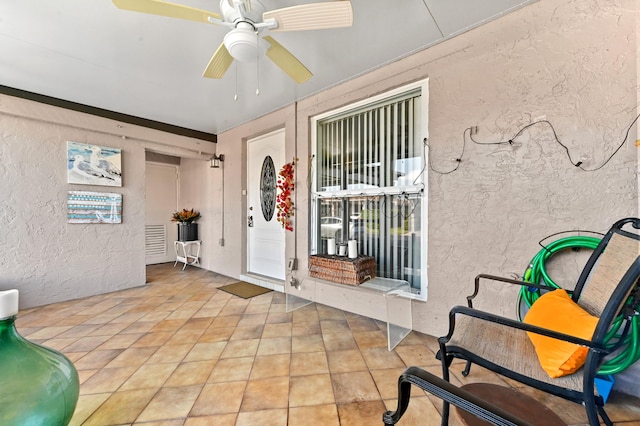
[(216, 161)]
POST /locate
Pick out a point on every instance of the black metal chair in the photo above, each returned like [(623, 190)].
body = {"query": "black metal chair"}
[(607, 289)]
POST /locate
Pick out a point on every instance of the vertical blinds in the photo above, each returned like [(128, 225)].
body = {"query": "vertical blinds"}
[(366, 155), (374, 148)]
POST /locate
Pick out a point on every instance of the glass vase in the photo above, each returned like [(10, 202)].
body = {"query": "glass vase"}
[(38, 385)]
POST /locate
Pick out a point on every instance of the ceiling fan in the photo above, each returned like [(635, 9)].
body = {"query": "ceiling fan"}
[(249, 21)]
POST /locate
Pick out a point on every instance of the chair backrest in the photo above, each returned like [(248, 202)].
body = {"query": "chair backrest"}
[(617, 256)]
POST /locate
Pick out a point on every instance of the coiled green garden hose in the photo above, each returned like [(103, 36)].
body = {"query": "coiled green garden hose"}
[(628, 351)]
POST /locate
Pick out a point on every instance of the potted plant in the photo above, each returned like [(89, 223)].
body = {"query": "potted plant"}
[(187, 228)]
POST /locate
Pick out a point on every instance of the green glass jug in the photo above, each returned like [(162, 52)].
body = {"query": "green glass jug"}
[(38, 386)]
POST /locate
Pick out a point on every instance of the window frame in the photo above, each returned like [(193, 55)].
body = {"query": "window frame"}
[(419, 188)]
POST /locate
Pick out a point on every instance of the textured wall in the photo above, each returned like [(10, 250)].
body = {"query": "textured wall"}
[(571, 63), (43, 256)]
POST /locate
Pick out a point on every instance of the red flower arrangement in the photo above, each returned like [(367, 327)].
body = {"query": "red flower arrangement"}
[(283, 201)]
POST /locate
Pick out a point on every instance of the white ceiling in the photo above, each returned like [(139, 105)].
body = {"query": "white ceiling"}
[(149, 66)]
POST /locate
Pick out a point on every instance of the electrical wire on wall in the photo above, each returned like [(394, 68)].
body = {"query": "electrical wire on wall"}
[(514, 138)]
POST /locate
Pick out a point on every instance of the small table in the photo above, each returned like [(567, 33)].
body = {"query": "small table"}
[(187, 252), (512, 401)]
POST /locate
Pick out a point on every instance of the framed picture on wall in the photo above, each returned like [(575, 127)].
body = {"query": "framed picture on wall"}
[(93, 165), (94, 207)]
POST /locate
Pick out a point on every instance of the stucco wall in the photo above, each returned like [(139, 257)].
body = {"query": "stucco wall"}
[(44, 257), (571, 63)]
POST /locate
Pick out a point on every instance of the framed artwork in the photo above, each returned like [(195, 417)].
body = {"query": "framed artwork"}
[(94, 207), (93, 165)]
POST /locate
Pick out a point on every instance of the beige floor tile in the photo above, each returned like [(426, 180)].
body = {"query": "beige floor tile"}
[(191, 373), (152, 339), (271, 366), (84, 375), (312, 343), (94, 359), (346, 361), (329, 313), (320, 415), (252, 319), (139, 327), (86, 344), (168, 325), (387, 382), (258, 308), (335, 326), (276, 417), (170, 402), (120, 341), (81, 330), (263, 394), (304, 364), (240, 348), (358, 323), (247, 332), (216, 334), (381, 358), (226, 321), (338, 342), (277, 330), (361, 413), (311, 390), (217, 420), (306, 314), (351, 387), (205, 351), (231, 370), (149, 376), (48, 333), (170, 353), (306, 329), (219, 398), (87, 404), (371, 339), (107, 380), (121, 408), (110, 329), (275, 345), (183, 336), (417, 355), (59, 344), (279, 317), (132, 357)]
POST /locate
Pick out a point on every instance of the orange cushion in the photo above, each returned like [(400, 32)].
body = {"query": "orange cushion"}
[(556, 311)]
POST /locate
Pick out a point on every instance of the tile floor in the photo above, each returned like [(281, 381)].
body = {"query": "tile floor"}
[(180, 352)]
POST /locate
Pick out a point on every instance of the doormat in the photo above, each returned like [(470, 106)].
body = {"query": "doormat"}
[(244, 290)]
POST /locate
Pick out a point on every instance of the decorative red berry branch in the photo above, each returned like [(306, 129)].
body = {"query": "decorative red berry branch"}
[(283, 201)]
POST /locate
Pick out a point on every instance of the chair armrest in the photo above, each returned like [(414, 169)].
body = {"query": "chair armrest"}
[(451, 394), (463, 310), (504, 280)]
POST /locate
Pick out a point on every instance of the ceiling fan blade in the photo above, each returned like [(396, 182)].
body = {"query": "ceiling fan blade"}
[(219, 63), (163, 8), (312, 16), (287, 62)]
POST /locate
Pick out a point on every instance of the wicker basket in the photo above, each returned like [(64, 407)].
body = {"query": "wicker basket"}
[(341, 269)]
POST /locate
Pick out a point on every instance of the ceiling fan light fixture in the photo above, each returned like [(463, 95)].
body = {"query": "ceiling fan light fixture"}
[(242, 43)]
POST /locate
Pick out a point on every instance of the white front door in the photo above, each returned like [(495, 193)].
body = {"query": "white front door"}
[(160, 202), (265, 252)]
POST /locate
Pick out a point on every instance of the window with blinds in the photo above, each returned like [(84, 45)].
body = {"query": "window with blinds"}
[(369, 183)]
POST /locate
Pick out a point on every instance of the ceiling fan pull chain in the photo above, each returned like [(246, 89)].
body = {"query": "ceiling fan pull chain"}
[(258, 64), (235, 97)]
